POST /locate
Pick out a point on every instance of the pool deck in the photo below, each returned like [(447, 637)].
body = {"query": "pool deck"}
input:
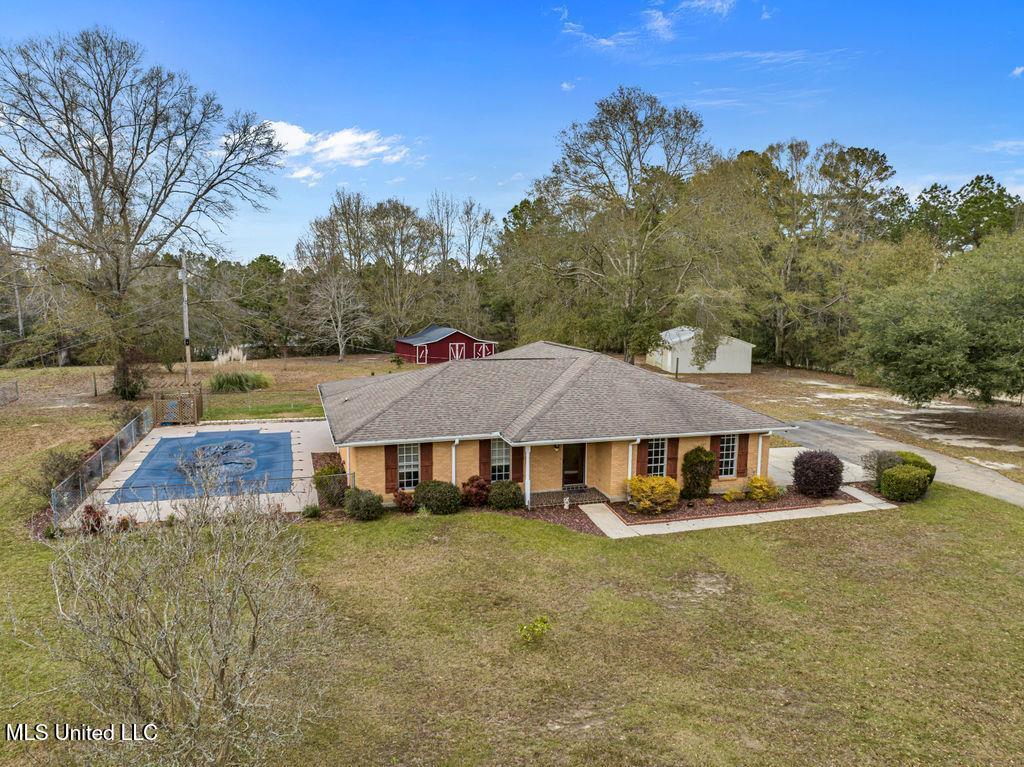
[(308, 437)]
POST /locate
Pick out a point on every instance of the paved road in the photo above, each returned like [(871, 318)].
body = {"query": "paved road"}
[(850, 443)]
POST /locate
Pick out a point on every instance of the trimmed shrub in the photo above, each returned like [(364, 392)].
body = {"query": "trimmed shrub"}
[(904, 483), (653, 495), (913, 459), (876, 462), (733, 495), (506, 494), (437, 497), (330, 484), (238, 381), (698, 471), (817, 473), (311, 511), (404, 501), (475, 491), (363, 504), (763, 489)]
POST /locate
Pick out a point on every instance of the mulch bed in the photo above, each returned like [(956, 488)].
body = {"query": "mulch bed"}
[(718, 507), (326, 459), (573, 517)]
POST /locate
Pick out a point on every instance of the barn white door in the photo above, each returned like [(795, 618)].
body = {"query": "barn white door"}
[(457, 351), (481, 350), (421, 355)]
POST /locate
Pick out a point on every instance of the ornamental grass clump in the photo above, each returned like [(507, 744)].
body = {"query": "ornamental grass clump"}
[(238, 381), (653, 495)]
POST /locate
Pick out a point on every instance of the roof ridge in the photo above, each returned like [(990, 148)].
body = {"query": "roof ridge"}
[(433, 372), (550, 395)]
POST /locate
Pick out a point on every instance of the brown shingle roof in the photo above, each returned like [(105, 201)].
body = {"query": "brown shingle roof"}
[(540, 392)]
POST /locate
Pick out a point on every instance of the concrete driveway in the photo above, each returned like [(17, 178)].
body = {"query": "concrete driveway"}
[(850, 443)]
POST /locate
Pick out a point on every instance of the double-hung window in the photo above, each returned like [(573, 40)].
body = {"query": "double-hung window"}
[(727, 455), (501, 460), (408, 466), (656, 450)]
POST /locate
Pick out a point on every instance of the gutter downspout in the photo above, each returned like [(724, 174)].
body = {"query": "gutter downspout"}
[(456, 442), (526, 475), (629, 464), (760, 437)]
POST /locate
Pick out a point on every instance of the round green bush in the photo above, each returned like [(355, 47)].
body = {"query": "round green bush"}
[(437, 497), (817, 473), (311, 511), (913, 459), (506, 494), (904, 483), (363, 504)]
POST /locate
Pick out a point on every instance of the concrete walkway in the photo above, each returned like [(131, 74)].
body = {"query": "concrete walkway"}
[(610, 524), (850, 443)]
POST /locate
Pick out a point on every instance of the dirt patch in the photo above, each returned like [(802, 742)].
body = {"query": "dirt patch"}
[(716, 506)]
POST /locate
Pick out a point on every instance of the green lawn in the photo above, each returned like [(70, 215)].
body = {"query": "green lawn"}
[(878, 638)]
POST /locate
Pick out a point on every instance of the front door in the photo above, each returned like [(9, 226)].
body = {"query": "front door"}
[(574, 471)]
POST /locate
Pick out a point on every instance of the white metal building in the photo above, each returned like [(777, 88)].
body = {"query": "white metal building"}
[(731, 356)]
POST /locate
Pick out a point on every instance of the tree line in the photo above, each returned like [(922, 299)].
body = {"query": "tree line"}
[(810, 252)]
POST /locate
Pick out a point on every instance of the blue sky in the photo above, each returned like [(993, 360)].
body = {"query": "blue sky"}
[(401, 99)]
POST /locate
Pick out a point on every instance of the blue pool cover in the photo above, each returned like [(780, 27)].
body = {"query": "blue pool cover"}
[(240, 460)]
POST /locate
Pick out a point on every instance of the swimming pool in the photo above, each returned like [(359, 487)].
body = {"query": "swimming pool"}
[(238, 460)]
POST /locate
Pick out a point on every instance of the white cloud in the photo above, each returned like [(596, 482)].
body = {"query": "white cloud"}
[(515, 177), (720, 7), (395, 180), (310, 153), (618, 40), (1017, 72), (307, 175), (767, 13), (1007, 146), (567, 86), (658, 24)]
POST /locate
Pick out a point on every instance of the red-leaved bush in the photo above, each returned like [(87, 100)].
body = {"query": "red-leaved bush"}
[(475, 491), (403, 501), (817, 473)]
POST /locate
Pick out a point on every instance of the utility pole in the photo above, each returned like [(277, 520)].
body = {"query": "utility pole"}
[(183, 275)]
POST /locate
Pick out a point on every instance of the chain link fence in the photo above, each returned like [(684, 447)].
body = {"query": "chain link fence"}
[(9, 392), (71, 493)]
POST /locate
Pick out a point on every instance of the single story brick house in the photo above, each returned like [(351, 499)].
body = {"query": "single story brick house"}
[(437, 343), (551, 417)]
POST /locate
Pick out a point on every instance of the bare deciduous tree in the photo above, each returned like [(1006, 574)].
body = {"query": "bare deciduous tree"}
[(205, 628), (114, 163), (475, 227), (333, 311)]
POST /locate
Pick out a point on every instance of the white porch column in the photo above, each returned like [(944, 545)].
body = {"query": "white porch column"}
[(759, 438), (526, 474), (454, 444)]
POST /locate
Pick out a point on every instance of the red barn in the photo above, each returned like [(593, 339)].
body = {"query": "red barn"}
[(439, 344)]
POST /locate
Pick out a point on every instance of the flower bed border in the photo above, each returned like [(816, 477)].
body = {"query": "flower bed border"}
[(631, 519)]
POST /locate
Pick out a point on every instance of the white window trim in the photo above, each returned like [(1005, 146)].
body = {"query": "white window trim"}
[(663, 444), (508, 465), (404, 484), (735, 455)]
